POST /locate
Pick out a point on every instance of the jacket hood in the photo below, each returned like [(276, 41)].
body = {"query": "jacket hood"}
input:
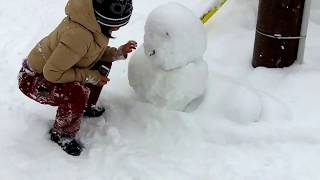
[(81, 11)]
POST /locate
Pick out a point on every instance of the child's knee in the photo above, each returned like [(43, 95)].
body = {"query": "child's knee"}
[(78, 93)]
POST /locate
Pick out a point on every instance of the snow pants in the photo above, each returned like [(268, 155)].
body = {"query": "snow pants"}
[(71, 98)]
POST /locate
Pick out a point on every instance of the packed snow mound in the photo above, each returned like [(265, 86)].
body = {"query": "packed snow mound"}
[(173, 89), (234, 101), (174, 36)]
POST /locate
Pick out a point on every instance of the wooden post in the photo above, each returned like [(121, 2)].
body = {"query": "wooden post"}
[(279, 32)]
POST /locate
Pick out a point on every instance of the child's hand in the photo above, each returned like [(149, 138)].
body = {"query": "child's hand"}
[(103, 80), (96, 78), (124, 50), (129, 47)]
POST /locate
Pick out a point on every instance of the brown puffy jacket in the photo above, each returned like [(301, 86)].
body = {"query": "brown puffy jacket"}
[(68, 53)]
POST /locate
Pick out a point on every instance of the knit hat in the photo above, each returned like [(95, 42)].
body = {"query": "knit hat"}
[(112, 13)]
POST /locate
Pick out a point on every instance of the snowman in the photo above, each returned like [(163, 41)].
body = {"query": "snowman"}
[(168, 70)]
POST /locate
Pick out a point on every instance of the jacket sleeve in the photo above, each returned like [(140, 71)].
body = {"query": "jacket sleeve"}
[(59, 68), (113, 54), (109, 54)]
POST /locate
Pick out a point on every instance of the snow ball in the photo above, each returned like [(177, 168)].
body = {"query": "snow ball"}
[(174, 36), (243, 105)]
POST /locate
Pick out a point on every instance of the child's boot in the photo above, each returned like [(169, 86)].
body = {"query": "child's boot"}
[(67, 143), (93, 111)]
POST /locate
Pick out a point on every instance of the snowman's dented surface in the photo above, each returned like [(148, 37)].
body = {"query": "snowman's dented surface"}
[(174, 36), (168, 70)]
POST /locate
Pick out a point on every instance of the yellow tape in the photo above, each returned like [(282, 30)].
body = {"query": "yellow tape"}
[(206, 17)]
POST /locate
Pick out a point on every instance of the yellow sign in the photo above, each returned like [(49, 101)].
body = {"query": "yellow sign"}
[(205, 18)]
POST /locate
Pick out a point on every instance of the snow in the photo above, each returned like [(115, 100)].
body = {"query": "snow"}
[(136, 140), (174, 89), (163, 68), (174, 36)]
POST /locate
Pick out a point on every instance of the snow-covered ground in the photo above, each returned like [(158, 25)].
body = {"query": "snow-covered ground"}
[(254, 124)]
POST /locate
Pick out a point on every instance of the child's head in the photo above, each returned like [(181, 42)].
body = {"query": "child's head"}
[(112, 14)]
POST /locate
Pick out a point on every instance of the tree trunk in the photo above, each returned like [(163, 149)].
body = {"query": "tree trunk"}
[(278, 33)]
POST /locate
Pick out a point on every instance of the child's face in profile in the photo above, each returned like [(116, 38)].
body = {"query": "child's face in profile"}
[(114, 29)]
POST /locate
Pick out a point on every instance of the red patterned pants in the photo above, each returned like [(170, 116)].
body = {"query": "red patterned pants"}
[(71, 98)]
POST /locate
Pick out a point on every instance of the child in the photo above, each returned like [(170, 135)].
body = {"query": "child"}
[(61, 70)]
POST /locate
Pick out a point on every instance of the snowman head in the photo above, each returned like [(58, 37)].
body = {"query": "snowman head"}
[(174, 36)]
